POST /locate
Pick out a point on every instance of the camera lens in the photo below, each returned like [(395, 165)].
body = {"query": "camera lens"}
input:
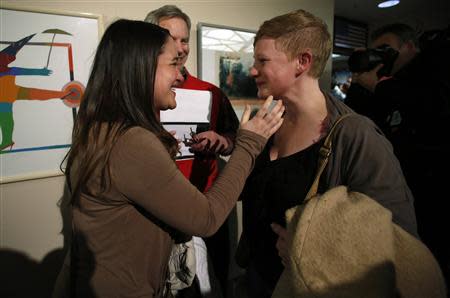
[(361, 61)]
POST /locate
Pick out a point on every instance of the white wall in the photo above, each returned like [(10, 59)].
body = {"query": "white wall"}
[(30, 221)]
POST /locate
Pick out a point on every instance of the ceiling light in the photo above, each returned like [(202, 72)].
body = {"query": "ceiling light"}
[(388, 3)]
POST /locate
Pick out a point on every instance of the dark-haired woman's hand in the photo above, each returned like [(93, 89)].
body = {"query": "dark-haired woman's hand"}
[(266, 121)]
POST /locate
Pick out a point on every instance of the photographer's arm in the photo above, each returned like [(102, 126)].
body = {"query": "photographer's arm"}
[(369, 79)]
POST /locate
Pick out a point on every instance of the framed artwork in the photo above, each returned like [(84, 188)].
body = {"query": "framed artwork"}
[(45, 59), (225, 56)]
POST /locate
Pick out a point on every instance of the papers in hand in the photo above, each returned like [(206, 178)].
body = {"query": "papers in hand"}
[(193, 113), (193, 106)]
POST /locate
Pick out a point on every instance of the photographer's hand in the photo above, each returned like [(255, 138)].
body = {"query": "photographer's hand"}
[(369, 79)]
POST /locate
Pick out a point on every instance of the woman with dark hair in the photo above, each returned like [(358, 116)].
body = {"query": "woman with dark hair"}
[(128, 197)]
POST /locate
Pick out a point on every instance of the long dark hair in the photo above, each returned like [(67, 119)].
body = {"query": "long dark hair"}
[(119, 95)]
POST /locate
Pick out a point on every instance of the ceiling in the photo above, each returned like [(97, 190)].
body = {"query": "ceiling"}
[(420, 14)]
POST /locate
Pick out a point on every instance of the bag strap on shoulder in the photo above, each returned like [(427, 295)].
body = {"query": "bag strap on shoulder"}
[(324, 153)]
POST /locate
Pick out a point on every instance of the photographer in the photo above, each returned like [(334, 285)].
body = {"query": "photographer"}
[(411, 104)]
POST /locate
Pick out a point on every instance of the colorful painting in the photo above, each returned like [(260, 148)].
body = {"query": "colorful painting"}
[(45, 59), (235, 78), (225, 59)]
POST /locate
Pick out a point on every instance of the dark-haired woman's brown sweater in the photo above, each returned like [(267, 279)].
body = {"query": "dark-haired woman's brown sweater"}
[(122, 238)]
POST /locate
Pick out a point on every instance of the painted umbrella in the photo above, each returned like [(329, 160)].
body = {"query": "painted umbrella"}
[(54, 32)]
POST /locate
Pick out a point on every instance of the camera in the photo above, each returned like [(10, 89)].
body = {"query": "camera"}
[(362, 61)]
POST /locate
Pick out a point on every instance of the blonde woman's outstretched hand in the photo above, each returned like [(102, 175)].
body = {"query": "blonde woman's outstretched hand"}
[(266, 122)]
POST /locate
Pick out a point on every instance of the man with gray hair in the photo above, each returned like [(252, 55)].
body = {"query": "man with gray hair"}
[(218, 140), (178, 23)]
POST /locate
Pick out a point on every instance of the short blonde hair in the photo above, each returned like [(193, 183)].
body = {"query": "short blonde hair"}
[(297, 31)]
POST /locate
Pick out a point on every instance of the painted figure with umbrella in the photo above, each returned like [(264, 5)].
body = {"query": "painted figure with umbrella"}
[(71, 93)]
